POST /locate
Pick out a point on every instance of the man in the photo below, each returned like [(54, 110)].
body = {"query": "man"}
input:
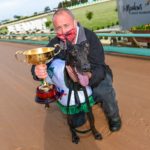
[(100, 77)]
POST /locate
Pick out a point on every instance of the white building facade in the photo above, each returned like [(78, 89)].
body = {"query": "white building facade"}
[(31, 26)]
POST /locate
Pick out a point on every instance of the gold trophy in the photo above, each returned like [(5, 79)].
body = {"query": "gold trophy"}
[(38, 56)]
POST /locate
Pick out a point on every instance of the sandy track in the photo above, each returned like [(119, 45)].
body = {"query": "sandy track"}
[(26, 125)]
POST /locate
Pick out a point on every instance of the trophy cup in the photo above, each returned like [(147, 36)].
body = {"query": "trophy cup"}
[(45, 93)]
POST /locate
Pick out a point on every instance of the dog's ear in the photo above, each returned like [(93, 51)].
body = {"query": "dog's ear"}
[(87, 45), (84, 44)]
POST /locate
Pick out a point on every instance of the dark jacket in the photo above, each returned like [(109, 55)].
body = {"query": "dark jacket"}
[(96, 56)]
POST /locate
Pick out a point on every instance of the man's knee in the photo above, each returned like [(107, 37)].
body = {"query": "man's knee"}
[(105, 89)]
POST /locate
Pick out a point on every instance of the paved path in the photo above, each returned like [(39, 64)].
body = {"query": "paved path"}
[(26, 125)]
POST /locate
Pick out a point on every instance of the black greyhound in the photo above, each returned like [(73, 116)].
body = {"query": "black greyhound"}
[(77, 57)]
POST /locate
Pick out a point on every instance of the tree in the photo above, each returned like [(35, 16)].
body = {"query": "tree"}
[(17, 17), (35, 13), (89, 15), (48, 24), (68, 3), (4, 30), (47, 9)]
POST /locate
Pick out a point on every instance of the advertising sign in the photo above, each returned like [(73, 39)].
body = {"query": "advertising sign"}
[(133, 13)]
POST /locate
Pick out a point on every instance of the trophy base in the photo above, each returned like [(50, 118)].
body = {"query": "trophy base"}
[(47, 95)]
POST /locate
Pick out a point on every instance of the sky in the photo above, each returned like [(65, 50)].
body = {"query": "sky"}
[(9, 8)]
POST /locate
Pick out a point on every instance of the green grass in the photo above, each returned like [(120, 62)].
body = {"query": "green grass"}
[(104, 14)]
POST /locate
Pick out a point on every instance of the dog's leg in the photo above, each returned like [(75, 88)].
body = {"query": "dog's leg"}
[(96, 134), (90, 115), (75, 137)]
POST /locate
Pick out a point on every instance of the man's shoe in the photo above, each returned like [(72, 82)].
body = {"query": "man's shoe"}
[(114, 124)]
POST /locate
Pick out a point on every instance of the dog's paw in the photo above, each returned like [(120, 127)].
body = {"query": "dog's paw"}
[(98, 136), (75, 139)]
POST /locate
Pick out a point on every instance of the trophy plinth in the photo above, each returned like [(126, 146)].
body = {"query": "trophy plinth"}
[(38, 56)]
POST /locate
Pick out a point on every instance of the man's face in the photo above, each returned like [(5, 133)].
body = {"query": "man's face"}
[(63, 23)]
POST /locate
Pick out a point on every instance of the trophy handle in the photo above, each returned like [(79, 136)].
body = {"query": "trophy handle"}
[(57, 45), (17, 56)]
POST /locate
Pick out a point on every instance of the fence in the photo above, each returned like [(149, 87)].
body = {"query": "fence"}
[(127, 49), (42, 39)]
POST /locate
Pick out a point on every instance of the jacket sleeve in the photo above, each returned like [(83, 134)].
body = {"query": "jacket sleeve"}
[(96, 58)]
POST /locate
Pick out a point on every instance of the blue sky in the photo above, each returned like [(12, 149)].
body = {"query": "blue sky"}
[(9, 8)]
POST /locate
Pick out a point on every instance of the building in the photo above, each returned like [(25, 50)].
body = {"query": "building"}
[(31, 25)]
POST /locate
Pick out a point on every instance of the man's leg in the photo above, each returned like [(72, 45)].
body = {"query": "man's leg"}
[(105, 94)]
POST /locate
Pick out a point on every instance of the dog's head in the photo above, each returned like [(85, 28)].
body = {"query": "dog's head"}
[(77, 56)]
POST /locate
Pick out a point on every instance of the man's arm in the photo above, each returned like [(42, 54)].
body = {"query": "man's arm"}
[(96, 58)]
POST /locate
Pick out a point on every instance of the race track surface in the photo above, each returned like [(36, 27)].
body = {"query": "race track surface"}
[(26, 125)]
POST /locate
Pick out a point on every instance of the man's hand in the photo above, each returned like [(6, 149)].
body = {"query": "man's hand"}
[(41, 71)]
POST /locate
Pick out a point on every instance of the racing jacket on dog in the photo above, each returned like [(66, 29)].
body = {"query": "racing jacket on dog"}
[(56, 76)]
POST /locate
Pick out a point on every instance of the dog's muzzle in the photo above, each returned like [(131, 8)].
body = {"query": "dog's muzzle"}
[(86, 68)]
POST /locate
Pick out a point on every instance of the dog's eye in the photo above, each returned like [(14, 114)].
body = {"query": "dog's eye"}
[(74, 52)]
